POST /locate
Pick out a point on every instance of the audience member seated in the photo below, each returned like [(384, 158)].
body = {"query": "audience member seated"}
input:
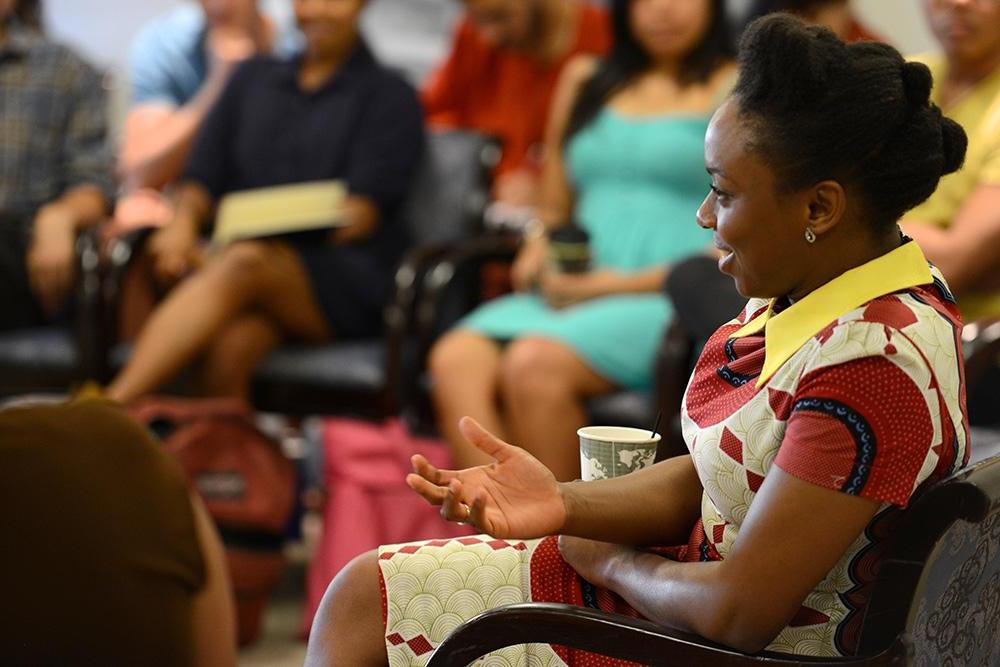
[(789, 497), (626, 165), (54, 165), (501, 73), (836, 15), (959, 226), (110, 559), (333, 113), (180, 64)]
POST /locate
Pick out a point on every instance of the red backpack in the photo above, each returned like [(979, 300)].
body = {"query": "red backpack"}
[(246, 483)]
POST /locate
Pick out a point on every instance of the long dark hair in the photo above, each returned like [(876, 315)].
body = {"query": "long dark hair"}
[(628, 59)]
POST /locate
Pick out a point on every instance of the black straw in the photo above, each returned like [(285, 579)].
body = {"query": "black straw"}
[(656, 426)]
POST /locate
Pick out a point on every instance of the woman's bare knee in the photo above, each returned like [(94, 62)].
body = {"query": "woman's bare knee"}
[(348, 628), (536, 369)]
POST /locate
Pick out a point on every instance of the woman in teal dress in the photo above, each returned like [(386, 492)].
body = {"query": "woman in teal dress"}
[(624, 160)]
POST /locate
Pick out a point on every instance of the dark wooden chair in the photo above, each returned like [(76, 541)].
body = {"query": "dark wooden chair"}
[(49, 359), (981, 341), (936, 599), (364, 378)]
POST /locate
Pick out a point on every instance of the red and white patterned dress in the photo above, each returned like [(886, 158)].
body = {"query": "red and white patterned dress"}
[(858, 388)]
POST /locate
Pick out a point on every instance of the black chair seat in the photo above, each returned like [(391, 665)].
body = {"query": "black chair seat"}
[(623, 408), (38, 359), (347, 366), (42, 348)]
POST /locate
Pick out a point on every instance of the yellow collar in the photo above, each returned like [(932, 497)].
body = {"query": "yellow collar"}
[(790, 329)]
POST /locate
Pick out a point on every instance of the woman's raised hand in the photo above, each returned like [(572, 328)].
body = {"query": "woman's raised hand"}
[(515, 497)]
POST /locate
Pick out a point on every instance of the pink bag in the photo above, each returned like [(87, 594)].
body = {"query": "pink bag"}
[(364, 471)]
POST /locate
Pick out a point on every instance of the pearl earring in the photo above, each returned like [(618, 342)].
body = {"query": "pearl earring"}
[(810, 236)]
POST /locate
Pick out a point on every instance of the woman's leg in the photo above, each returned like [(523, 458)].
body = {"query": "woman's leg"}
[(544, 387), (465, 370), (235, 353), (265, 276), (349, 629)]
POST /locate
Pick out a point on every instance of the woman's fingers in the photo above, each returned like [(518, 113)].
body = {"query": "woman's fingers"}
[(477, 516), (484, 440), (432, 493), (453, 508), (423, 467)]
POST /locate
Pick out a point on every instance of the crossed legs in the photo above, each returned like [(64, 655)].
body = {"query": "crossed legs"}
[(236, 308)]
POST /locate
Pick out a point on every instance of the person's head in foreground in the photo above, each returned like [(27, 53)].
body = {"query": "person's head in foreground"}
[(817, 154), (807, 437)]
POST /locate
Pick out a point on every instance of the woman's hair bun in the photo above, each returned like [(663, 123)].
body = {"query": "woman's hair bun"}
[(917, 82), (954, 143)]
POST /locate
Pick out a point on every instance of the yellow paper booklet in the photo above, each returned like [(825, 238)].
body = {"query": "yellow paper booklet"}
[(279, 210)]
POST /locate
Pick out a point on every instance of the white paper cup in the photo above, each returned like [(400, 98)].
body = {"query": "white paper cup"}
[(613, 451)]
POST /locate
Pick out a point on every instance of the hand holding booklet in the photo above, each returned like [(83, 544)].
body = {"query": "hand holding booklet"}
[(280, 209)]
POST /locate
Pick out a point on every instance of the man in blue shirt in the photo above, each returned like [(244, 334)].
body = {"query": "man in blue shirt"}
[(180, 64)]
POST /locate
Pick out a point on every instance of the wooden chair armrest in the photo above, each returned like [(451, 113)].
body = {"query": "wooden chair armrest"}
[(614, 636)]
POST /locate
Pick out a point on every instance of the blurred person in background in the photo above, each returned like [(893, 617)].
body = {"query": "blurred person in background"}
[(836, 15), (109, 557), (179, 65), (55, 175), (500, 76), (626, 164), (331, 113), (958, 228)]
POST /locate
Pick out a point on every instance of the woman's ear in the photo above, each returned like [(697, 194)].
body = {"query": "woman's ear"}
[(827, 206)]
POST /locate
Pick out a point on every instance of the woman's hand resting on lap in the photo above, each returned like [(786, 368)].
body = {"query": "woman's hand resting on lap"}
[(515, 497), (561, 290)]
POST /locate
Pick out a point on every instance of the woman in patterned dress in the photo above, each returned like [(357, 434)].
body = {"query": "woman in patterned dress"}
[(812, 419)]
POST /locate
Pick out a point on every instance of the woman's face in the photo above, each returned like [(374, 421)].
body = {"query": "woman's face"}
[(760, 233), (968, 30), (329, 26), (669, 29), (506, 24)]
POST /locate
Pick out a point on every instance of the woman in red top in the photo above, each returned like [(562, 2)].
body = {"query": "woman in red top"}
[(501, 73)]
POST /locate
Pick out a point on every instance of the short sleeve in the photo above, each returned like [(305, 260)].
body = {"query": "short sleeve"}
[(149, 70), (388, 145), (863, 427)]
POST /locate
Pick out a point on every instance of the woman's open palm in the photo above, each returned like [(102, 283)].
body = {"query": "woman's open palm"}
[(515, 497)]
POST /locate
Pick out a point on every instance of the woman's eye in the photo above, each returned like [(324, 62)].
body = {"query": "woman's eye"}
[(719, 194)]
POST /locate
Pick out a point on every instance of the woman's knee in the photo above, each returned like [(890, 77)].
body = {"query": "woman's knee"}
[(243, 264), (537, 369), (349, 618), (456, 353)]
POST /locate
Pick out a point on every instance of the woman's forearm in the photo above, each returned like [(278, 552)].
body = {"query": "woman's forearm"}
[(657, 505), (691, 597)]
